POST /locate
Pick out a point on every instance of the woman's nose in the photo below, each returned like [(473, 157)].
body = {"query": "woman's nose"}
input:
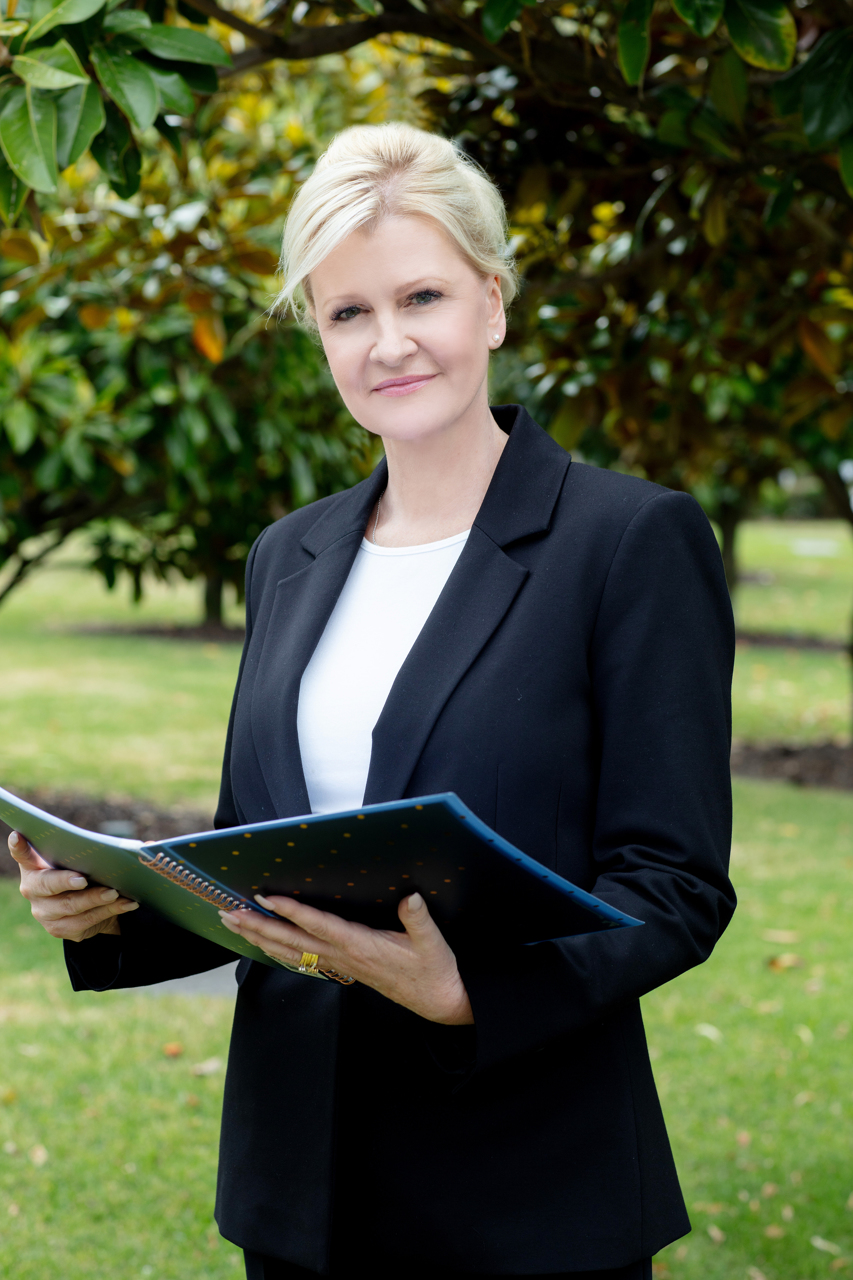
[(392, 344)]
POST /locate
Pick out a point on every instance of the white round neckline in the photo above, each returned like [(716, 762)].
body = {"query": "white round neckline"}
[(376, 550)]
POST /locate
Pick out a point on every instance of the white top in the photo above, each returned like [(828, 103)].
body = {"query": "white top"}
[(387, 598)]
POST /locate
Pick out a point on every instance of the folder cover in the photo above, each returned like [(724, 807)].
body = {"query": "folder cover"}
[(358, 865)]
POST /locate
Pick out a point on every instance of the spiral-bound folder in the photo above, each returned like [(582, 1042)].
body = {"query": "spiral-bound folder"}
[(358, 864)]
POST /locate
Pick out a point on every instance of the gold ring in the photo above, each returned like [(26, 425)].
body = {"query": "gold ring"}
[(310, 963)]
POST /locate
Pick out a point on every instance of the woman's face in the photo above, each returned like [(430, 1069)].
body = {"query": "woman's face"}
[(407, 325)]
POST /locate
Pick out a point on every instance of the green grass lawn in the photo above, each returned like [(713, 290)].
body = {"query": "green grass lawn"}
[(107, 1146), (755, 1061), (806, 569), (130, 715), (98, 1127), (798, 695), (111, 714)]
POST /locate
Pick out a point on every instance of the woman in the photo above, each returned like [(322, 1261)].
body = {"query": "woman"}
[(551, 641)]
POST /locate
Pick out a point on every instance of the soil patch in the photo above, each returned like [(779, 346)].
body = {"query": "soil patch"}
[(207, 633), (131, 818), (212, 634), (789, 640), (821, 764)]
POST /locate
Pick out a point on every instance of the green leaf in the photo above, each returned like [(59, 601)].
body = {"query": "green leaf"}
[(28, 138), (180, 44), (117, 154), (21, 425), (132, 170), (56, 67), (42, 108), (634, 39), (175, 93), (129, 83), (42, 76), (13, 193), (672, 128), (729, 89), (79, 118), (65, 13), (199, 78), (845, 165), (497, 15), (779, 203), (9, 28), (701, 16), (827, 101), (125, 20), (787, 92), (367, 6), (710, 129), (763, 32), (170, 133)]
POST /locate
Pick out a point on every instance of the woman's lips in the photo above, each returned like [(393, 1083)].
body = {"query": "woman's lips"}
[(403, 386)]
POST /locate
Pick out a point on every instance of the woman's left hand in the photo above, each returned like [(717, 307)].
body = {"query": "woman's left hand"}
[(416, 969)]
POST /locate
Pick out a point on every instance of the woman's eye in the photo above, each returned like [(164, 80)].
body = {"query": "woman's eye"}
[(348, 313), (424, 296)]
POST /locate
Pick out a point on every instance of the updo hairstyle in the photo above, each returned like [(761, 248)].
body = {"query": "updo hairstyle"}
[(371, 172)]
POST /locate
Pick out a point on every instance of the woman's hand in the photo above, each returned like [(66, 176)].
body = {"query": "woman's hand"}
[(416, 969), (62, 901)]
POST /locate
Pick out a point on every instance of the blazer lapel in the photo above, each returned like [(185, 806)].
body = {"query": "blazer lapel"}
[(303, 605), (481, 589), (478, 593)]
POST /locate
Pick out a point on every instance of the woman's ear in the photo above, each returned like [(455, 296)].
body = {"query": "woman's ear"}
[(496, 315)]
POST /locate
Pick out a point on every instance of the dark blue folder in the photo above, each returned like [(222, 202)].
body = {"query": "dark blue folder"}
[(358, 865)]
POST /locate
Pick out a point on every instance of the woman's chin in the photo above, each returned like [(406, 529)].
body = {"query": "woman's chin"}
[(420, 414)]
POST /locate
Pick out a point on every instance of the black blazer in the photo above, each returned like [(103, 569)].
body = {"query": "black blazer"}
[(572, 686)]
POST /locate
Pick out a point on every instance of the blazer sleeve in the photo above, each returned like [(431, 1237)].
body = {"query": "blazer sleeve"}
[(660, 662), (150, 948)]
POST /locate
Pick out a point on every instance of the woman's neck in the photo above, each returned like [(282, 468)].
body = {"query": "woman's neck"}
[(436, 484)]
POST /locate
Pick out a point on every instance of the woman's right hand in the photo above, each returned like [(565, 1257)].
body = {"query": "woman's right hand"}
[(62, 901)]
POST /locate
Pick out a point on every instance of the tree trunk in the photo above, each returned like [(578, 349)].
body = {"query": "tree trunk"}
[(213, 585), (728, 518)]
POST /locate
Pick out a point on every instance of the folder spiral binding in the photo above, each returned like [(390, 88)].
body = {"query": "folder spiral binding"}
[(205, 889)]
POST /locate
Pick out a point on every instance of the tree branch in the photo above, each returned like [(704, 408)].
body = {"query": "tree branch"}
[(25, 565), (212, 10), (306, 43), (817, 226)]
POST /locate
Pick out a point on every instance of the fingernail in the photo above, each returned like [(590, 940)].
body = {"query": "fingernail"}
[(14, 839), (415, 902), (78, 882), (265, 902), (129, 906), (109, 895)]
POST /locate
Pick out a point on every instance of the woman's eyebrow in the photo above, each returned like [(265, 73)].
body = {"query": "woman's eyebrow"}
[(412, 286), (422, 283)]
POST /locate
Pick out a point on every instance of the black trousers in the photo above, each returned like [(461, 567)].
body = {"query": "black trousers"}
[(260, 1268)]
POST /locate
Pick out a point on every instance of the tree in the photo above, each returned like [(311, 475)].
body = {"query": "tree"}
[(679, 176), (184, 409), (97, 71), (686, 311)]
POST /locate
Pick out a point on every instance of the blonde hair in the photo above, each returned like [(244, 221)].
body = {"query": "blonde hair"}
[(373, 171)]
